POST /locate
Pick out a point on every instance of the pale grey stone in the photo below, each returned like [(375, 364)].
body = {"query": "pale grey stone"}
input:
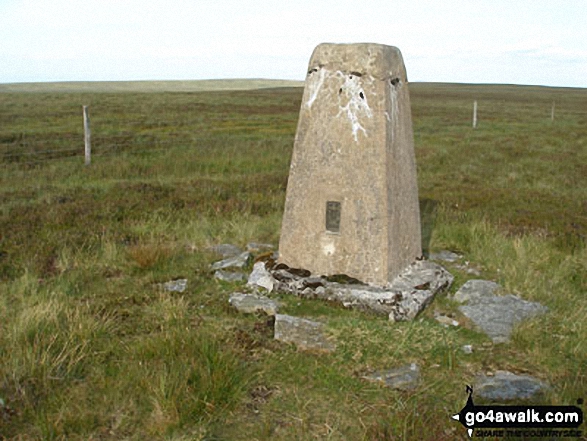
[(506, 386), (352, 196), (403, 299), (260, 277), (418, 284), (226, 250), (307, 293), (445, 255), (252, 303), (227, 276), (496, 316), (475, 289), (179, 285), (305, 334), (240, 261), (402, 378)]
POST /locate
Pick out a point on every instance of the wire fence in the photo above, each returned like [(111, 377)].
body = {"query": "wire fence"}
[(147, 132), (28, 147)]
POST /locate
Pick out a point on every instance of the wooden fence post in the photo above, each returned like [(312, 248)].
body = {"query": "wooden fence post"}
[(475, 114), (87, 136), (552, 112)]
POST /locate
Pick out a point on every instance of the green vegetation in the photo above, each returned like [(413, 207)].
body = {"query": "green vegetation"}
[(92, 348)]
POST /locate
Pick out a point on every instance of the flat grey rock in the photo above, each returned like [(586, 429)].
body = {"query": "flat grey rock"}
[(260, 277), (228, 276), (179, 285), (418, 284), (506, 386), (239, 261), (475, 289), (226, 250), (402, 378), (444, 255), (403, 299), (497, 315), (305, 334), (252, 303)]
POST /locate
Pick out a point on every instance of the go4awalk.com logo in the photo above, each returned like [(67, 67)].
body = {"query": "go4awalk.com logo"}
[(522, 421)]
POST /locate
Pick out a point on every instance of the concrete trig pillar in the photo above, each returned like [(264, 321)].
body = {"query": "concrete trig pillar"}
[(352, 196)]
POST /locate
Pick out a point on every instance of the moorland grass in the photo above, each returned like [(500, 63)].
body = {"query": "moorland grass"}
[(91, 347)]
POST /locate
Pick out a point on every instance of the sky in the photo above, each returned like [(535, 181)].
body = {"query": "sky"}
[(534, 42)]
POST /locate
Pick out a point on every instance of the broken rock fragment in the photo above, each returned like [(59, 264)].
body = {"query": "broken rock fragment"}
[(239, 261), (252, 303), (495, 315), (506, 386), (260, 277), (305, 334)]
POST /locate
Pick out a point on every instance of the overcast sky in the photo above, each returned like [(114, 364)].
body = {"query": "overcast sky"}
[(474, 41)]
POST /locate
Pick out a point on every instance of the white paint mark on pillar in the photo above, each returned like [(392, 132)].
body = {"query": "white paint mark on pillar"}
[(357, 105), (315, 85)]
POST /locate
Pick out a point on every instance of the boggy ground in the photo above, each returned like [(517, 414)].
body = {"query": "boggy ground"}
[(92, 348)]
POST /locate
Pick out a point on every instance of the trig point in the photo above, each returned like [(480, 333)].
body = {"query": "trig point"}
[(352, 196)]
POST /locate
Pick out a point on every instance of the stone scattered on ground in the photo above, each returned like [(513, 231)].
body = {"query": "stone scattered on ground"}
[(305, 334), (179, 285), (255, 248), (239, 261), (445, 256), (402, 378), (228, 276), (506, 386), (467, 349), (474, 289), (261, 277), (406, 296), (252, 303), (494, 314), (226, 250), (417, 286), (497, 315)]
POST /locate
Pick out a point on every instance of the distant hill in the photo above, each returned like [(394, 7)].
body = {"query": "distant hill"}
[(147, 86)]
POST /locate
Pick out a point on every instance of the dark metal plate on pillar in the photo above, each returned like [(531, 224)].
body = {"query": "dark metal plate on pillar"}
[(333, 216)]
